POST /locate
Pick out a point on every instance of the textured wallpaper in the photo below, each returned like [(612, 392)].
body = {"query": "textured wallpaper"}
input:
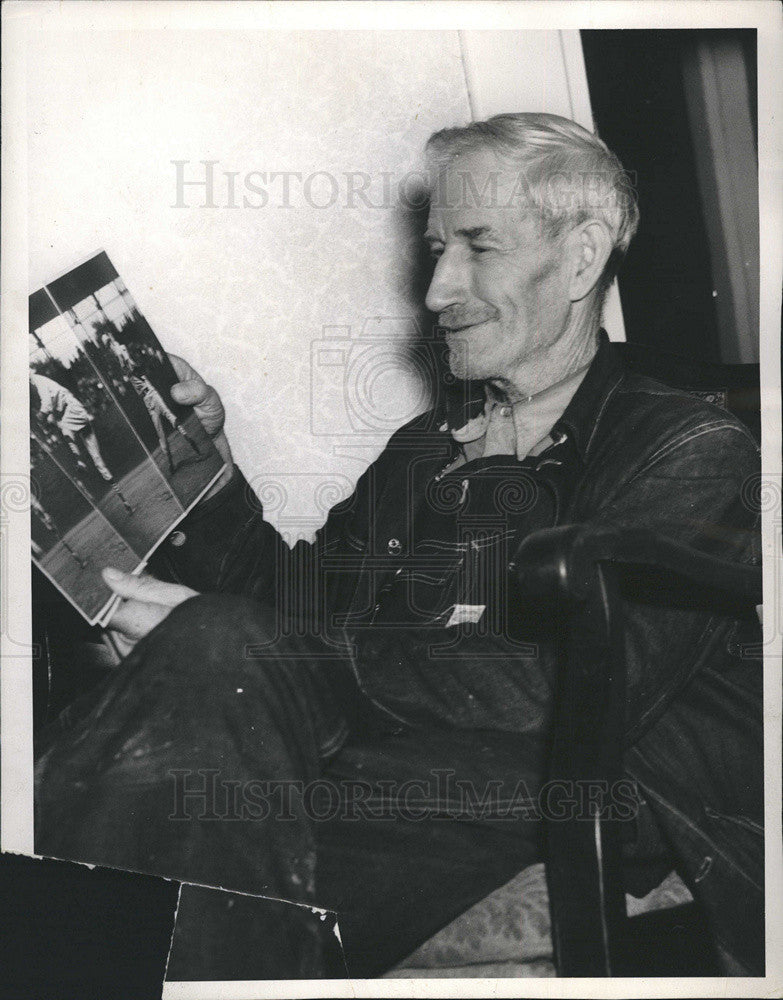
[(246, 282)]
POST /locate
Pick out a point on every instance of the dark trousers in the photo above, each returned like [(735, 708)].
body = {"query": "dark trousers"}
[(221, 755)]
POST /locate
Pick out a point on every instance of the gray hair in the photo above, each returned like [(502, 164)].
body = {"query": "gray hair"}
[(566, 173)]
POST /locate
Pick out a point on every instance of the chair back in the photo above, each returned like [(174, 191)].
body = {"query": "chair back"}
[(735, 388)]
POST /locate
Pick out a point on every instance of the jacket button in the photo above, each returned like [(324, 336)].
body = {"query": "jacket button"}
[(178, 538), (394, 546)]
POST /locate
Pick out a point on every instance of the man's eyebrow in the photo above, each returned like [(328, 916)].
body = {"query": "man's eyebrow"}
[(475, 232), (472, 233)]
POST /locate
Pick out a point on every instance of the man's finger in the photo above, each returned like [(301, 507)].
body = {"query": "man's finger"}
[(146, 588), (133, 620), (190, 392), (122, 644), (129, 619), (183, 370)]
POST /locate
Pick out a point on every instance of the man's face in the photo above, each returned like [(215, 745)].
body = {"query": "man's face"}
[(500, 287)]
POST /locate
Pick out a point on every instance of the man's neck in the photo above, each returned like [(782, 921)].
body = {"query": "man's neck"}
[(553, 364)]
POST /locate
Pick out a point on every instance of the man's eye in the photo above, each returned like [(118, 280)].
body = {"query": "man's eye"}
[(479, 249)]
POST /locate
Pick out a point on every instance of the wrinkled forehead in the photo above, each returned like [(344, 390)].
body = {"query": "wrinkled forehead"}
[(476, 189)]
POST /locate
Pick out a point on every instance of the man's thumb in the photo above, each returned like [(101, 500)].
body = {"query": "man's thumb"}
[(146, 588)]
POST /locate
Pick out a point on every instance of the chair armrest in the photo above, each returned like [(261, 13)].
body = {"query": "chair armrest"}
[(561, 561)]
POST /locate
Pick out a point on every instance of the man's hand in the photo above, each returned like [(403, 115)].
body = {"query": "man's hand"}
[(146, 602), (192, 390)]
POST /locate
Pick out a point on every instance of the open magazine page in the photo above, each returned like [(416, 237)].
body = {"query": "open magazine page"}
[(136, 373), (116, 463), (71, 539)]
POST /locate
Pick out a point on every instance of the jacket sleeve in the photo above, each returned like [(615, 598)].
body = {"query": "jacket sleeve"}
[(694, 488), (225, 545)]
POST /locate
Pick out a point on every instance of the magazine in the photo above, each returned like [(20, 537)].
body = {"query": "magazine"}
[(116, 463)]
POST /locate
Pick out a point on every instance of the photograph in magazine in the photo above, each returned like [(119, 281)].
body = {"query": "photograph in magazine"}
[(113, 466), (69, 533), (438, 537), (137, 373)]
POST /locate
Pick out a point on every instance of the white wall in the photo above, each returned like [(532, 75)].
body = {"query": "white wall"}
[(244, 292)]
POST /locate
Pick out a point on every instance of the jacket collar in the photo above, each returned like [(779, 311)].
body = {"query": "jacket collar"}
[(581, 417)]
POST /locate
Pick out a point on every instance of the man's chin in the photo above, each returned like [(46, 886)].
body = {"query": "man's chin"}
[(463, 358), (460, 366), (457, 357)]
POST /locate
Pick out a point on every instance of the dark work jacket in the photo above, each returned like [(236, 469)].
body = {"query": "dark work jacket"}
[(392, 561)]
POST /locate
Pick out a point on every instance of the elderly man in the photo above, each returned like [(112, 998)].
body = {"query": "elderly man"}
[(377, 745)]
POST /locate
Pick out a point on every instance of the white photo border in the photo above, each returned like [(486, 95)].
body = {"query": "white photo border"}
[(20, 20)]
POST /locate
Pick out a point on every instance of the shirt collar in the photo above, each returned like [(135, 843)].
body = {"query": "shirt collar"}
[(496, 426), (522, 427), (578, 420)]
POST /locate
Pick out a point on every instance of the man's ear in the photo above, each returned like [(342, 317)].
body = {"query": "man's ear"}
[(589, 246)]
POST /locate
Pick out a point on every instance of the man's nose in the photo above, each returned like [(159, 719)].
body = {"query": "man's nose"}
[(448, 286)]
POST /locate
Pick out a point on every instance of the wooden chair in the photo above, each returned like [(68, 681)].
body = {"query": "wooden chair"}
[(581, 568)]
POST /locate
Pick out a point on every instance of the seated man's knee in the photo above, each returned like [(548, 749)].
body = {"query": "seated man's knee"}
[(222, 637), (208, 617), (207, 633)]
